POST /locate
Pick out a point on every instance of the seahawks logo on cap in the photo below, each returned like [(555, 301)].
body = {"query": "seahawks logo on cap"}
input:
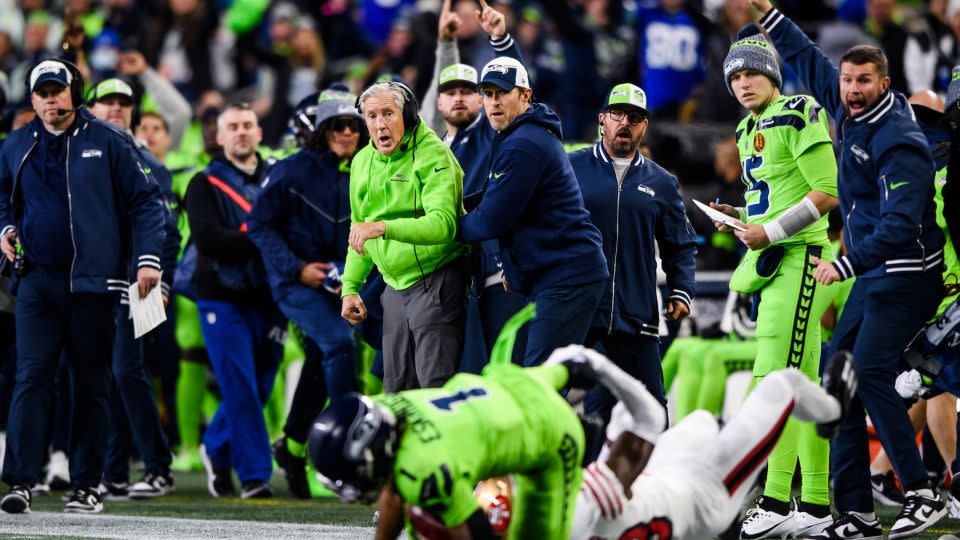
[(499, 68), (733, 65), (618, 93)]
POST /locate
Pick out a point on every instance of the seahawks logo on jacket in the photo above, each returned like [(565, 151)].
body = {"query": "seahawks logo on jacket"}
[(859, 153)]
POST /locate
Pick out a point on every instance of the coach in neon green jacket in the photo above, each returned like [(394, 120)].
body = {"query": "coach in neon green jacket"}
[(406, 197)]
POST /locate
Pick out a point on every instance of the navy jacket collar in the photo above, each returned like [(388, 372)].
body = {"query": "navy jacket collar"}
[(600, 153)]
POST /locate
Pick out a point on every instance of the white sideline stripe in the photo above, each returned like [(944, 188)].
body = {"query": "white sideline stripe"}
[(55, 524)]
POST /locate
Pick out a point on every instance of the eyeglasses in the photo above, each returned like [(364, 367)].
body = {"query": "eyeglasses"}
[(634, 117), (340, 124)]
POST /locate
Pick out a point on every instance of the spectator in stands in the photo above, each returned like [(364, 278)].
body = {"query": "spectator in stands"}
[(636, 204), (837, 36), (409, 235), (929, 54), (671, 54), (715, 104), (895, 251), (241, 328), (65, 302), (169, 102), (154, 133), (178, 43), (300, 225), (883, 24), (532, 205)]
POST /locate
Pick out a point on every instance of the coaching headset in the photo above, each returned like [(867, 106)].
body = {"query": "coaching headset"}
[(76, 84), (410, 108)]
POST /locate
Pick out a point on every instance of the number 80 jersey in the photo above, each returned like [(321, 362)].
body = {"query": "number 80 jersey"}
[(770, 146)]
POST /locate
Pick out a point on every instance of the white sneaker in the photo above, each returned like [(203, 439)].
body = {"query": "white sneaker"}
[(954, 506), (762, 523), (58, 471), (808, 525)]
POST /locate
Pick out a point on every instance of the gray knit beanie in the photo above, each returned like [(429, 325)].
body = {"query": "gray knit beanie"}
[(754, 53), (953, 91)]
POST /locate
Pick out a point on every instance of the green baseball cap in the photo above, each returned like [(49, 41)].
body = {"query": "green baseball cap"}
[(458, 75), (626, 94), (108, 87)]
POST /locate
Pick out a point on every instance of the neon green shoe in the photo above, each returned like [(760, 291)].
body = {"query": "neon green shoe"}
[(186, 461)]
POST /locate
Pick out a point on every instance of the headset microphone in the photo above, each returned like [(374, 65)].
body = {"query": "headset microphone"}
[(64, 112)]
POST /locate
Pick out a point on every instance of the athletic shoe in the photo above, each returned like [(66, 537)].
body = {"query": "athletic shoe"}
[(765, 523), (294, 468), (85, 501), (17, 500), (113, 491), (153, 485), (40, 489), (219, 481), (918, 514), (187, 461), (256, 489), (885, 490), (58, 471), (840, 381), (953, 497), (807, 524), (850, 525)]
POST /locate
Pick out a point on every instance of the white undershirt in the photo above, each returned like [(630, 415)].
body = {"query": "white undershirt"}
[(620, 166)]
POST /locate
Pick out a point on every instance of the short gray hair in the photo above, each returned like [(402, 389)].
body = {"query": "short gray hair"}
[(381, 89)]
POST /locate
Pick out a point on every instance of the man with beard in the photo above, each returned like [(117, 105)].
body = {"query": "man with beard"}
[(636, 205), (466, 130), (894, 248)]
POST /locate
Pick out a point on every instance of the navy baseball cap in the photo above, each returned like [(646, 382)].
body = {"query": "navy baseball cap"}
[(505, 73), (50, 70)]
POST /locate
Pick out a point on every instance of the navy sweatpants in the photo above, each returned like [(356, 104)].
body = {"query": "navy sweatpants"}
[(134, 416), (563, 318), (51, 319), (328, 369), (879, 319), (245, 347)]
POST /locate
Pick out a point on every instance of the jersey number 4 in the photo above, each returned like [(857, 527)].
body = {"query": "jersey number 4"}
[(447, 403), (760, 207)]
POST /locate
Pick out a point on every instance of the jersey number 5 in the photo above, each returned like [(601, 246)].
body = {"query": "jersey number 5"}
[(447, 403), (760, 207)]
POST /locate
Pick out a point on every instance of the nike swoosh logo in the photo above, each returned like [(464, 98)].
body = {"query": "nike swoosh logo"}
[(440, 169), (848, 531), (924, 514), (895, 185), (498, 174)]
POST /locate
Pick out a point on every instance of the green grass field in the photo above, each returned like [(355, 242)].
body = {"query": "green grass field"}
[(197, 515)]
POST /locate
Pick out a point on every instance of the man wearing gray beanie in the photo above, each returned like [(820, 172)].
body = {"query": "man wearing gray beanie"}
[(791, 173), (895, 250)]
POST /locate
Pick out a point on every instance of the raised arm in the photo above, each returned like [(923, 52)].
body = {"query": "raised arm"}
[(815, 70), (447, 54)]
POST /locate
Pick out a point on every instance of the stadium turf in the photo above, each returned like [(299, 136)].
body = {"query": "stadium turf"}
[(191, 512)]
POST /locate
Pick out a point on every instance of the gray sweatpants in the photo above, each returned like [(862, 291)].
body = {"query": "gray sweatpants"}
[(423, 330)]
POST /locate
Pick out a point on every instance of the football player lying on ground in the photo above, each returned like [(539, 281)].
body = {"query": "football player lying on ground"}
[(695, 476), (429, 448)]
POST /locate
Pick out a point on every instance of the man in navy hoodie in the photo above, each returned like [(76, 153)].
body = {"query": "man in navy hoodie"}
[(637, 206), (895, 250), (531, 204)]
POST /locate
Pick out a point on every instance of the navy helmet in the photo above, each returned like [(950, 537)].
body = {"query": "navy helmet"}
[(352, 445), (303, 120)]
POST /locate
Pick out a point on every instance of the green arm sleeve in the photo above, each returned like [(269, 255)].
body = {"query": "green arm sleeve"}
[(819, 168), (441, 195), (554, 375), (355, 272)]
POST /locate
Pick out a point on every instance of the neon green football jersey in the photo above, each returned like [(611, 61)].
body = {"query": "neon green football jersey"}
[(508, 421), (770, 146), (952, 273)]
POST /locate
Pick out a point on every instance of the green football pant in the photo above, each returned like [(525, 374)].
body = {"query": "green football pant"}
[(788, 335)]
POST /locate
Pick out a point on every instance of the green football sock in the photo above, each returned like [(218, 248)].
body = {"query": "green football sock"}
[(191, 387), (296, 449), (814, 465)]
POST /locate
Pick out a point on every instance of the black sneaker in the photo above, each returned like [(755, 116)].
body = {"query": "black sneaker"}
[(113, 491), (18, 500), (219, 481), (256, 489), (153, 485), (850, 525), (294, 468), (85, 501), (840, 381), (918, 514), (885, 490)]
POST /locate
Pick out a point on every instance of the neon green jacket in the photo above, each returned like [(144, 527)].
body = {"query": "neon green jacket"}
[(418, 192)]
